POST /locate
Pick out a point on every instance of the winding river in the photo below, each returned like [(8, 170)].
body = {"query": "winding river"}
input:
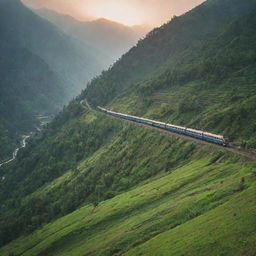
[(15, 153), (43, 120)]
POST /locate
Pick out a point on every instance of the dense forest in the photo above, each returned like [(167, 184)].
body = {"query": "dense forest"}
[(89, 184)]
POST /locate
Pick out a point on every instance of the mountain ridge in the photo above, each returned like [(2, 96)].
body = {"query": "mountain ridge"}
[(176, 39), (107, 36), (55, 52)]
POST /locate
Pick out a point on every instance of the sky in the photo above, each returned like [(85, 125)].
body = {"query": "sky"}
[(128, 12)]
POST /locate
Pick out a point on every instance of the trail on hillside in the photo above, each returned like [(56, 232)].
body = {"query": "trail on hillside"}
[(232, 148)]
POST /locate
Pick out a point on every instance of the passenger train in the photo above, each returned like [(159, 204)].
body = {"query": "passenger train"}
[(210, 137)]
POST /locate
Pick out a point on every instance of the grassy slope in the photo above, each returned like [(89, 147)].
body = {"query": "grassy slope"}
[(127, 157), (203, 208), (193, 238), (120, 163)]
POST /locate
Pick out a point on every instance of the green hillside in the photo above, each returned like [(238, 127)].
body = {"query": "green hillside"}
[(210, 87), (206, 207), (89, 184), (166, 45)]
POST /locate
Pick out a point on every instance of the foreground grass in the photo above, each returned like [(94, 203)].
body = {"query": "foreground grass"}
[(227, 230), (203, 208)]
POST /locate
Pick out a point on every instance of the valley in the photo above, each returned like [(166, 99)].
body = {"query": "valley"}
[(89, 183), (39, 76)]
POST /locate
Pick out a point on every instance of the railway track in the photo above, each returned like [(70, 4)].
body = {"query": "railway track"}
[(231, 147)]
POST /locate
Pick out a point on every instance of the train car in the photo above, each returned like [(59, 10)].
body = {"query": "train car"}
[(159, 124), (194, 133), (175, 128), (218, 139), (210, 137)]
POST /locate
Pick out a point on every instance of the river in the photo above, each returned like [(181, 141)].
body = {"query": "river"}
[(43, 119), (15, 153)]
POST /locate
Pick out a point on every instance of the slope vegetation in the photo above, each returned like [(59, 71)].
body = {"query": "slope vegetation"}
[(201, 208), (128, 188)]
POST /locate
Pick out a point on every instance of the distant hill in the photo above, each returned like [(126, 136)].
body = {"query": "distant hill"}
[(65, 55), (112, 38)]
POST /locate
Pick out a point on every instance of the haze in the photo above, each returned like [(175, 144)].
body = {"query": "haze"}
[(128, 12)]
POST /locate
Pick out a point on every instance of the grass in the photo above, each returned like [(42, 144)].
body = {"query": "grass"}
[(230, 231), (202, 208)]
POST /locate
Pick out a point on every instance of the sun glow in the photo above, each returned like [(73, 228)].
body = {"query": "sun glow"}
[(119, 12), (128, 12)]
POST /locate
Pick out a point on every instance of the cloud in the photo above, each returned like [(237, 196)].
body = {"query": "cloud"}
[(154, 12)]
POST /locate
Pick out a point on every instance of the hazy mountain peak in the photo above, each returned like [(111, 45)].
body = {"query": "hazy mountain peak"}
[(110, 37), (104, 21)]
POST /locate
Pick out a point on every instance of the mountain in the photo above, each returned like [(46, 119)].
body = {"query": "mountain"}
[(90, 184), (41, 70), (66, 56), (163, 46), (107, 36)]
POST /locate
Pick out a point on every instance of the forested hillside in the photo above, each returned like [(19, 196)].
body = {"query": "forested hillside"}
[(28, 88), (127, 190), (164, 46)]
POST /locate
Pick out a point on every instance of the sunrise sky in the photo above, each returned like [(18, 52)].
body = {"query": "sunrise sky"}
[(128, 12)]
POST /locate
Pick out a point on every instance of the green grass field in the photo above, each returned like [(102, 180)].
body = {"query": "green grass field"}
[(206, 207)]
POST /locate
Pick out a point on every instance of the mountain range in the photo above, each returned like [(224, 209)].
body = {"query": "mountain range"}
[(108, 37)]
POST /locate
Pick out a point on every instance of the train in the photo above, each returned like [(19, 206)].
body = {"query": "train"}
[(201, 135)]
